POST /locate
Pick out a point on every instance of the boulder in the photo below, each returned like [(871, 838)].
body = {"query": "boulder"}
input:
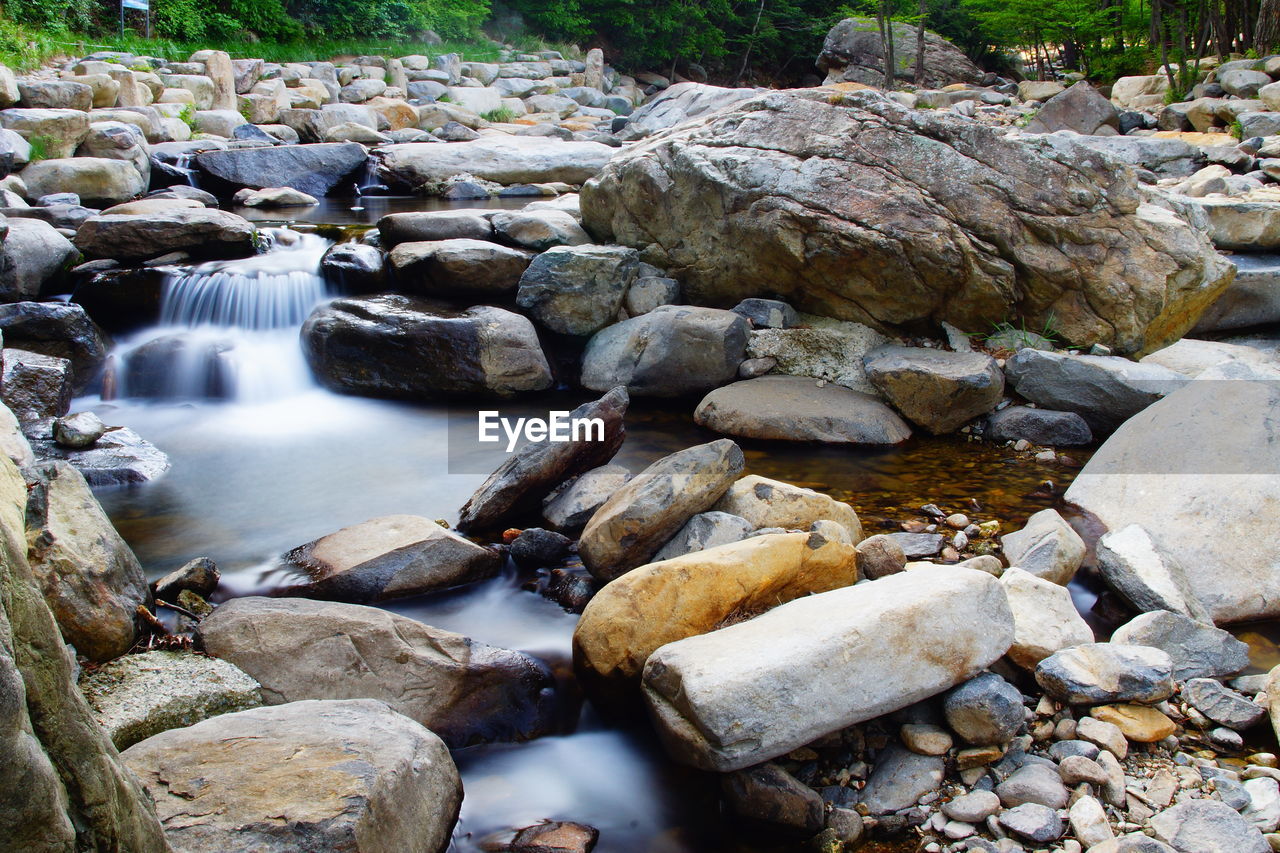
[(1038, 426), (985, 710), (1207, 826), (770, 503), (1045, 619), (35, 386), (200, 576), (202, 232), (1104, 390), (539, 230), (641, 516), (1240, 224), (57, 329), (502, 159), (577, 290), (670, 351), (821, 348), (351, 775), (388, 557), (97, 180), (770, 794), (1192, 357), (137, 696), (1046, 546), (60, 130), (457, 267), (797, 408), (1196, 649), (433, 225), (538, 467), (463, 690), (90, 578), (648, 607), (1174, 470), (313, 169), (32, 255), (56, 94), (353, 268), (923, 246), (736, 696), (1146, 576), (678, 104), (1252, 299), (115, 140), (1097, 673), (400, 346), (705, 530), (1081, 109), (853, 51), (119, 458), (938, 390)]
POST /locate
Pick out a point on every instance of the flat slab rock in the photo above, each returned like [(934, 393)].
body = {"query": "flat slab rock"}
[(345, 775), (798, 408), (120, 458)]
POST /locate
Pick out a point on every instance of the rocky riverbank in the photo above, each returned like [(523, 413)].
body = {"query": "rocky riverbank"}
[(827, 266)]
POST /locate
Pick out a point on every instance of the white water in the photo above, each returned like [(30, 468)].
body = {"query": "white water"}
[(229, 329)]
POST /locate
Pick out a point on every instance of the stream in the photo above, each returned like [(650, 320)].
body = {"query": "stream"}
[(264, 460)]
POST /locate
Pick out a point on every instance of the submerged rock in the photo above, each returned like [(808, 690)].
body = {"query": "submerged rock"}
[(322, 776)]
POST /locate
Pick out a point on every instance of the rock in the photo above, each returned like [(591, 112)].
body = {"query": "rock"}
[(881, 556), (1197, 650), (577, 290), (79, 430), (1038, 426), (1033, 822), (1039, 90), (771, 503), (403, 347), (1237, 224), (1033, 783), (985, 710), (670, 351), (1221, 704), (936, 389), (1207, 826), (1146, 575), (1192, 358), (388, 557), (502, 159), (773, 795), (1075, 769), (1104, 390), (924, 739), (97, 180), (831, 350), (641, 516), (678, 104), (570, 506), (854, 51), (90, 578), (735, 697), (660, 603), (61, 130), (337, 769), (537, 548), (55, 94), (121, 457), (705, 530), (540, 230), (900, 779), (918, 545), (1046, 547), (534, 470), (312, 169), (65, 787), (416, 227), (35, 386), (353, 268), (771, 234), (114, 140), (1089, 820), (649, 292), (1097, 673), (200, 576), (450, 268), (273, 197), (1263, 810), (796, 408), (1107, 737), (767, 313), (974, 807), (1045, 619), (59, 330), (463, 690), (1252, 298), (32, 255), (1155, 471), (1081, 109), (137, 696), (555, 837), (1242, 83), (1137, 723), (203, 233)]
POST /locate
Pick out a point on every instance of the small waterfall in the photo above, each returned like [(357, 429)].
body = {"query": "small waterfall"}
[(229, 329), (182, 164), (368, 183)]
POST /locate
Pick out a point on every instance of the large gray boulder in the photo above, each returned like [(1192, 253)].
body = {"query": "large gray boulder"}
[(798, 408), (32, 254), (929, 218), (313, 169), (854, 52), (652, 507), (60, 130), (577, 290), (1196, 649), (96, 180), (338, 775), (678, 104), (388, 557), (736, 696), (1081, 109), (668, 352), (57, 329), (399, 346), (202, 232), (1145, 575), (1197, 470), (1253, 299), (424, 166), (463, 690), (452, 268), (936, 389)]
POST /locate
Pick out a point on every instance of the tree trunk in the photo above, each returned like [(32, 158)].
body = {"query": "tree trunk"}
[(924, 11), (1157, 26), (1266, 36), (886, 40)]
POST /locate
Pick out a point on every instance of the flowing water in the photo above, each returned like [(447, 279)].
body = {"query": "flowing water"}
[(263, 460)]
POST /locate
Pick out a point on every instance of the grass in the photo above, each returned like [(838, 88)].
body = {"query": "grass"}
[(1024, 335), (188, 116), (501, 115), (40, 147)]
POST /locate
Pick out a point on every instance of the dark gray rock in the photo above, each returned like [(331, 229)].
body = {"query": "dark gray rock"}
[(918, 545), (900, 779), (1038, 426), (1197, 650), (36, 386), (56, 329), (313, 169), (1033, 783), (202, 232), (1096, 673), (705, 530), (416, 227), (354, 268), (767, 313), (1081, 108), (1033, 822), (984, 710), (120, 458), (1221, 704), (770, 794), (936, 389), (536, 548), (457, 267), (577, 290), (570, 506), (200, 576)]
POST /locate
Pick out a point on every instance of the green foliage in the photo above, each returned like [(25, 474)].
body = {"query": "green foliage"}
[(40, 147), (1236, 129), (187, 115), (1020, 333), (501, 115)]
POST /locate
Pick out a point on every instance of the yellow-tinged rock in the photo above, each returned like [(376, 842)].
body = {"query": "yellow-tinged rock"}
[(1197, 139), (689, 595), (1138, 723), (850, 87), (397, 112)]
